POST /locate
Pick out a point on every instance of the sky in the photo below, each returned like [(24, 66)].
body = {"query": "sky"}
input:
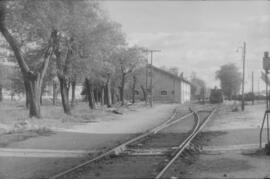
[(198, 36)]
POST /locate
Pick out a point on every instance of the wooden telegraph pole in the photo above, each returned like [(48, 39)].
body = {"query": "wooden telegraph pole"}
[(151, 75), (146, 80), (252, 88), (243, 79)]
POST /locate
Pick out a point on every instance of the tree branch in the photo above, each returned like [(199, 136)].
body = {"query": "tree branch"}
[(48, 54), (17, 52), (68, 57)]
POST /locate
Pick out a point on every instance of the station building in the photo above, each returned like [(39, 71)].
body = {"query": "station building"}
[(168, 87)]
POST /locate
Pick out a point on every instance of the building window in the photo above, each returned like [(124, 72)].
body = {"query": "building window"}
[(136, 92), (173, 92), (163, 92)]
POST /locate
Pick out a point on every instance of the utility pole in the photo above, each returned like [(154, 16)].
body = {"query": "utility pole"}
[(146, 80), (243, 79), (259, 86), (151, 73), (252, 88)]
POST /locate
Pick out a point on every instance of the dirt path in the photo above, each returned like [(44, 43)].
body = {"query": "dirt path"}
[(91, 136), (231, 140), (133, 122)]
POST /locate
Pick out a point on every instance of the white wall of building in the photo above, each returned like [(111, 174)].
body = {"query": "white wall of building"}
[(185, 92)]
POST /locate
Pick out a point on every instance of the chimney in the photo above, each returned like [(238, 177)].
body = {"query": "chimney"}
[(266, 55)]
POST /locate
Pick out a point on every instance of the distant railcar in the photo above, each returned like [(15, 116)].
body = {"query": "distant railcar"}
[(216, 96)]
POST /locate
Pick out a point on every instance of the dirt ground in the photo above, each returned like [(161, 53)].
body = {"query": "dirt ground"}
[(16, 126), (125, 167), (221, 142), (100, 135), (139, 166), (228, 120), (168, 137), (230, 143), (13, 113), (8, 138), (229, 164)]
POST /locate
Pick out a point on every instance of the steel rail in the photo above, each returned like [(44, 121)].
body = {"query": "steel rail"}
[(118, 149), (181, 147), (196, 129), (171, 123)]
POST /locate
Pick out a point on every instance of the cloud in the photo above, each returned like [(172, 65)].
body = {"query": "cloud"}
[(199, 36), (204, 50)]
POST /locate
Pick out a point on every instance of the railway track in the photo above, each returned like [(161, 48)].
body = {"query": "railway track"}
[(199, 124), (148, 155)]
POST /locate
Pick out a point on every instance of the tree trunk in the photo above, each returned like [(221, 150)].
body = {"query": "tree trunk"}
[(41, 101), (27, 96), (133, 89), (96, 93), (102, 99), (108, 91), (68, 89), (122, 89), (90, 94), (64, 88), (144, 93), (34, 97), (105, 95), (73, 88), (113, 95), (54, 92), (92, 99), (118, 94), (1, 93), (41, 94), (33, 94)]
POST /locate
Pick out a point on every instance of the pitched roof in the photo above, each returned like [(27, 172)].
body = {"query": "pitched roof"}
[(170, 74)]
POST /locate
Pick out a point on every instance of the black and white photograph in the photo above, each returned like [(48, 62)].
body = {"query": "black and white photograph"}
[(134, 89)]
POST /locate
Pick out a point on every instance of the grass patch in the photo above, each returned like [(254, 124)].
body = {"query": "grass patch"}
[(17, 136), (13, 113), (15, 125)]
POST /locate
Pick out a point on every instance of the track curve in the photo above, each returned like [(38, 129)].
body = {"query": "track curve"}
[(142, 147)]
